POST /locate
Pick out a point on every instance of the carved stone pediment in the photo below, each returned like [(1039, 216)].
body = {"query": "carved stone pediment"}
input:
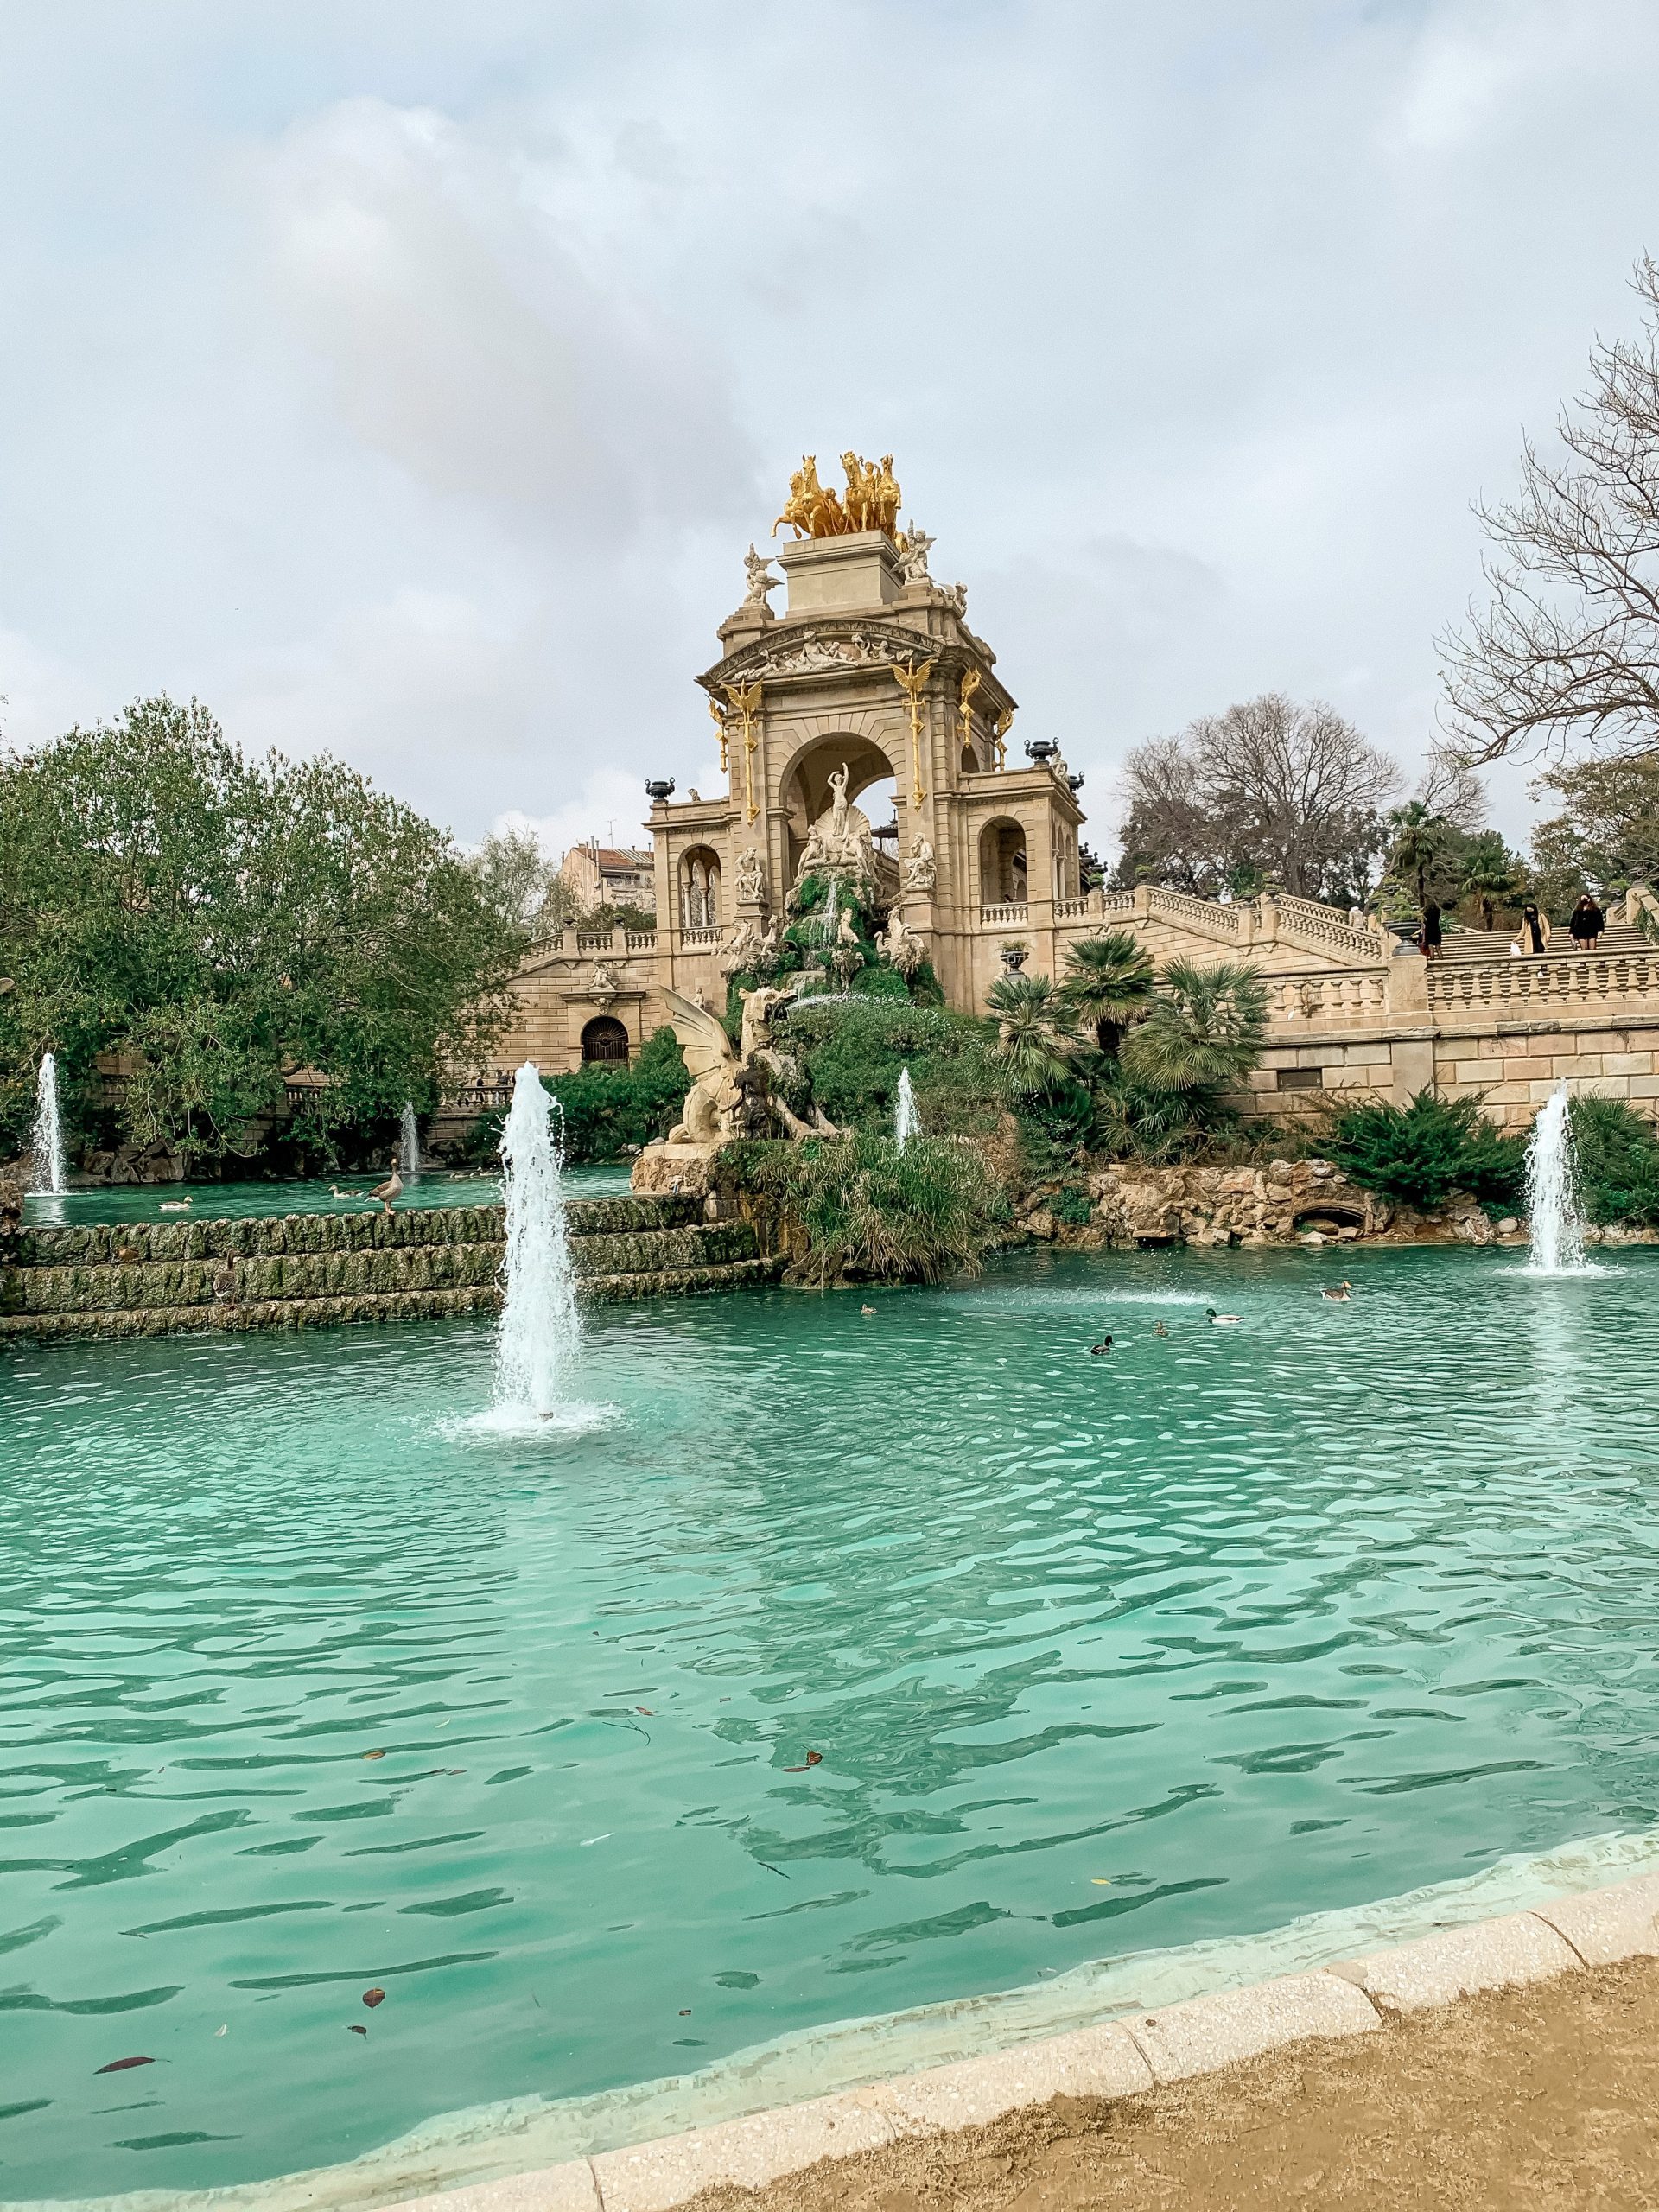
[(824, 648)]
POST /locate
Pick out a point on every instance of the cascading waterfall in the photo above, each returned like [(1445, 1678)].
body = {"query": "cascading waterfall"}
[(46, 1145), (1551, 1192), (905, 1122), (408, 1142), (830, 919), (540, 1331)]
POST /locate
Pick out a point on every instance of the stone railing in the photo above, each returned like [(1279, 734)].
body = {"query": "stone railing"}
[(1304, 921), (642, 940), (1005, 916), (1356, 996), (594, 941), (1066, 910), (1541, 985), (700, 936)]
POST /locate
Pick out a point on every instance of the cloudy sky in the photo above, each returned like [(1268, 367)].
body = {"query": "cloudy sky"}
[(408, 378)]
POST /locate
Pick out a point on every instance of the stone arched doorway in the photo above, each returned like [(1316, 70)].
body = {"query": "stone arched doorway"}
[(1003, 869), (604, 1042)]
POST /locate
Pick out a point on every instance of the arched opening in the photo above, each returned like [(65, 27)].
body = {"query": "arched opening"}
[(699, 888), (605, 1042), (1002, 869), (872, 784)]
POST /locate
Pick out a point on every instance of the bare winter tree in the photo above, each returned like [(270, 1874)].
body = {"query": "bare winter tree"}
[(1569, 646), (1269, 792)]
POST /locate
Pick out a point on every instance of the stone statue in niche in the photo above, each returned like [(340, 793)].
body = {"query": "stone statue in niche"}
[(839, 842), (751, 878), (602, 986), (918, 871)]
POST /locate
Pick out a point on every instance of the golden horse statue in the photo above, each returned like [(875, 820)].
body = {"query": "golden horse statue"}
[(872, 501)]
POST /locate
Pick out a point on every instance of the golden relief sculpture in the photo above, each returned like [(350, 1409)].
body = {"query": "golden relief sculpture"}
[(910, 679), (871, 500), (747, 703)]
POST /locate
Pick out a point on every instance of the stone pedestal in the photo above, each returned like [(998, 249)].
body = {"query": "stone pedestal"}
[(663, 1171)]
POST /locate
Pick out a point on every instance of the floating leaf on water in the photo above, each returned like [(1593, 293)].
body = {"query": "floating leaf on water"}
[(647, 1710), (374, 1755), (120, 2065), (373, 1997), (685, 2012), (355, 2029), (1100, 1881), (225, 2031), (813, 1758)]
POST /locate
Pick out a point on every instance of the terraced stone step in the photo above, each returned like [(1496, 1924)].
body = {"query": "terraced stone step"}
[(427, 1304)]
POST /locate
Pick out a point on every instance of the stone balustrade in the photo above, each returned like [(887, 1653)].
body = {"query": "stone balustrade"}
[(1522, 986)]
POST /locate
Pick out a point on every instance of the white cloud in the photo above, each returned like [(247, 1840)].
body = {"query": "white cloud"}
[(412, 388)]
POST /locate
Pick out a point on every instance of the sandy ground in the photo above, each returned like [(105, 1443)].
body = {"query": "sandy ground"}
[(1548, 2095)]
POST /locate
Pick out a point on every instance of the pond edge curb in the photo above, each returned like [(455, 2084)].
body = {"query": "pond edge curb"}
[(1119, 2058)]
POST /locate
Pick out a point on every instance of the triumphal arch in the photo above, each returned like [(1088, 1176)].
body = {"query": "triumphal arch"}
[(869, 683), (869, 677)]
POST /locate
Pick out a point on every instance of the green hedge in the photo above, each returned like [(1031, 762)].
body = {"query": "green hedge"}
[(1419, 1154), (606, 1109)]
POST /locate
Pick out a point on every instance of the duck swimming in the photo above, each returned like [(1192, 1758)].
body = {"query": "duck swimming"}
[(1105, 1345), (173, 1205), (1221, 1320), (1340, 1295), (1160, 1329)]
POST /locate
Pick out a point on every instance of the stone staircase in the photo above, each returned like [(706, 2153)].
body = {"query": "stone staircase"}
[(1617, 939), (142, 1279)]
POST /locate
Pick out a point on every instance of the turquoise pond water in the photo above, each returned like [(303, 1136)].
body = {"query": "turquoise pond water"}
[(1229, 1626), (237, 1201)]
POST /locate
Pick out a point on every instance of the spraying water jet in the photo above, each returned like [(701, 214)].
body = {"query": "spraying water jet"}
[(1557, 1221), (541, 1331), (46, 1143), (905, 1123)]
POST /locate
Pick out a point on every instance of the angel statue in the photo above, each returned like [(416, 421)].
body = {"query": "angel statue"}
[(914, 549), (761, 579)]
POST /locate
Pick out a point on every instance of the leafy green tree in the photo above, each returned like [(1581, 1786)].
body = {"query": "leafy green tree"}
[(1490, 875), (1036, 1038), (1204, 1030), (1107, 985), (522, 882), (1607, 833), (1617, 1153), (218, 925)]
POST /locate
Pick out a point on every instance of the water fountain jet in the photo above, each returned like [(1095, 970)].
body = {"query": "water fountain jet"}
[(1551, 1192), (408, 1142), (541, 1331), (905, 1123), (46, 1143)]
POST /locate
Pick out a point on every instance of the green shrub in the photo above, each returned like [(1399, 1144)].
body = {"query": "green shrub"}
[(1420, 1153), (873, 1212), (1073, 1207), (604, 1108), (1619, 1162), (854, 1051)]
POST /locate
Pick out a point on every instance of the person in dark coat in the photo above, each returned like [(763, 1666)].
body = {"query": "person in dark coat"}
[(1533, 936), (1428, 937), (1587, 923)]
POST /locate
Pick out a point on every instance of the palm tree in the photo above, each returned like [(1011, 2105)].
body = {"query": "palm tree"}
[(1107, 983), (1204, 1028), (1035, 1037), (1420, 844), (1490, 872)]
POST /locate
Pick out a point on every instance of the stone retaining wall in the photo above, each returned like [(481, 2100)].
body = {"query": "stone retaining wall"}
[(299, 1270), (1286, 1202)]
